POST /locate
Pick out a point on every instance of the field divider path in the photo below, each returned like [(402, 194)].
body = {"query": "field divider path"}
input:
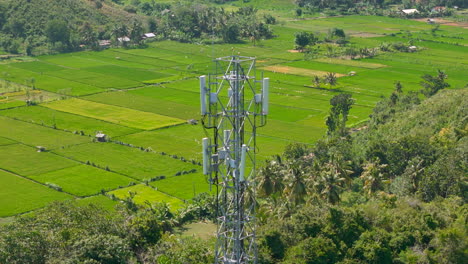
[(32, 180)]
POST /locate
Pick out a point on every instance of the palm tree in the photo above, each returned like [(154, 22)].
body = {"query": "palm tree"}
[(316, 81), (330, 78), (331, 185), (373, 176), (296, 188)]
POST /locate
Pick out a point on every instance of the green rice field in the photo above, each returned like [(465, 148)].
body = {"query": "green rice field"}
[(142, 99)]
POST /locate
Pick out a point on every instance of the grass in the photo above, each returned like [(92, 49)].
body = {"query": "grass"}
[(19, 195), (26, 161), (127, 161), (356, 63), (66, 121), (183, 187), (98, 200), (6, 141), (96, 79), (11, 104), (46, 82), (84, 180), (131, 99), (184, 140), (203, 230), (144, 194), (114, 114), (36, 135), (127, 72), (298, 71)]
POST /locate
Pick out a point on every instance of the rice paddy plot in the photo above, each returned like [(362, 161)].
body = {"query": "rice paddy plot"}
[(290, 114), (268, 147), (11, 104), (46, 82), (183, 187), (84, 180), (298, 71), (98, 200), (19, 195), (143, 194), (149, 62), (36, 135), (130, 99), (66, 121), (183, 141), (114, 114), (340, 70), (171, 94), (292, 131), (353, 63), (139, 75), (96, 79), (128, 161), (26, 161), (38, 66)]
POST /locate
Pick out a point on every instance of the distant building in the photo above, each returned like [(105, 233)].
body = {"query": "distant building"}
[(101, 137), (123, 39), (438, 9), (192, 121), (104, 43), (412, 48), (430, 21), (148, 35), (409, 11)]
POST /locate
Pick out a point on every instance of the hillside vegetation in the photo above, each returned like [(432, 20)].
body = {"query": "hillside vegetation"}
[(40, 26), (393, 192)]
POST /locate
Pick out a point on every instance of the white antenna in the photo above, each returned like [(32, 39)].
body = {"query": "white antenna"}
[(265, 91), (203, 94), (206, 157), (242, 163)]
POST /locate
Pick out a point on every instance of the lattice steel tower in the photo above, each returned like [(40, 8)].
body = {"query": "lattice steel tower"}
[(234, 104)]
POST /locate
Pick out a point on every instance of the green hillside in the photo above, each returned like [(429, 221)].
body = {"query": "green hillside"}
[(41, 26)]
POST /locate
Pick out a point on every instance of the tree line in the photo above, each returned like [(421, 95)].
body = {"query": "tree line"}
[(38, 27)]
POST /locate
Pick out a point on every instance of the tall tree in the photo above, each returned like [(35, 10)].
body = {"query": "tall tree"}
[(57, 31), (303, 39), (336, 121), (432, 84)]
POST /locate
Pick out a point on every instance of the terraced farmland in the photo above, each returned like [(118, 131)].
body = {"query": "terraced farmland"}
[(142, 98)]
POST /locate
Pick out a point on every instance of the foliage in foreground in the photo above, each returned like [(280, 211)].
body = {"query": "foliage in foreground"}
[(393, 192), (68, 233)]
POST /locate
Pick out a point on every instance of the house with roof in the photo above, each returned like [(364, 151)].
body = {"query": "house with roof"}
[(148, 35), (411, 11), (438, 9)]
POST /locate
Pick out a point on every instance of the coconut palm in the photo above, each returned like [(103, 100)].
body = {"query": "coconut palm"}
[(270, 178), (296, 188), (374, 176)]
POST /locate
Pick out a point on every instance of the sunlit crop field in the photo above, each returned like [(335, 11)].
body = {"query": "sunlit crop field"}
[(142, 98)]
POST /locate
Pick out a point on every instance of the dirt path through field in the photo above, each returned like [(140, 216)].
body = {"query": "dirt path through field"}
[(444, 22), (298, 71)]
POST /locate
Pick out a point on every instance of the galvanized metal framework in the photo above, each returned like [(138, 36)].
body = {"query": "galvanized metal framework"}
[(234, 104)]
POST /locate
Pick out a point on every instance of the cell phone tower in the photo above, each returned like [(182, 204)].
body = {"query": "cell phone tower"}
[(233, 104)]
